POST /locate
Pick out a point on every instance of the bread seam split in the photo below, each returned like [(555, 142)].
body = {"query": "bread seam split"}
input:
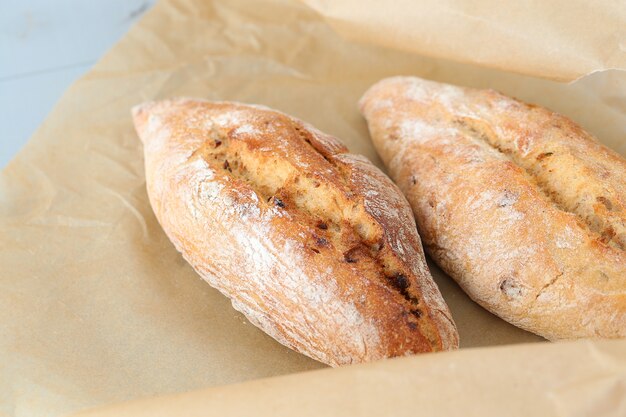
[(232, 165), (481, 133)]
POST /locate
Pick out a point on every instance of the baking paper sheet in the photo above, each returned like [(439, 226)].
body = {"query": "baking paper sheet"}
[(97, 307), (561, 40), (574, 379)]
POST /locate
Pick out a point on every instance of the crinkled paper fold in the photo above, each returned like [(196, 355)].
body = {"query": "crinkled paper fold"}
[(562, 40)]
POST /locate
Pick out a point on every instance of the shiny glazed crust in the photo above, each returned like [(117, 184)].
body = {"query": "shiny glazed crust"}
[(315, 245), (522, 207)]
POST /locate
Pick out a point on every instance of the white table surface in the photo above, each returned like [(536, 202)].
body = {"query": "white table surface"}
[(46, 45)]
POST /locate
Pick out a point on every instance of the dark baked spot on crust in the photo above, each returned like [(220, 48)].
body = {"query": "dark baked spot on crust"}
[(620, 240), (605, 201), (595, 223), (510, 287), (348, 258), (361, 252), (279, 203), (607, 234), (322, 225), (402, 284), (413, 316), (544, 155), (321, 241)]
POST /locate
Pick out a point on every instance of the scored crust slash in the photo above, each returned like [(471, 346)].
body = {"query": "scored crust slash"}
[(315, 245)]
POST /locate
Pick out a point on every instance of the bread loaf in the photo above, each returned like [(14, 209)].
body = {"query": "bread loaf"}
[(521, 206), (315, 245)]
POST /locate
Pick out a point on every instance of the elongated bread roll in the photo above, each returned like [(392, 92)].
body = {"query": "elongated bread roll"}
[(315, 245), (524, 209)]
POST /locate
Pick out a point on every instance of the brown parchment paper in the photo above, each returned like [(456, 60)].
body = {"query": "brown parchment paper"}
[(558, 39), (521, 380), (97, 307)]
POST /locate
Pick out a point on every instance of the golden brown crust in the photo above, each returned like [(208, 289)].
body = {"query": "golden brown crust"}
[(518, 204), (314, 245)]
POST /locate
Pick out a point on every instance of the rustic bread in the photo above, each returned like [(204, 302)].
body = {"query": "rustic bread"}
[(315, 245), (522, 207)]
